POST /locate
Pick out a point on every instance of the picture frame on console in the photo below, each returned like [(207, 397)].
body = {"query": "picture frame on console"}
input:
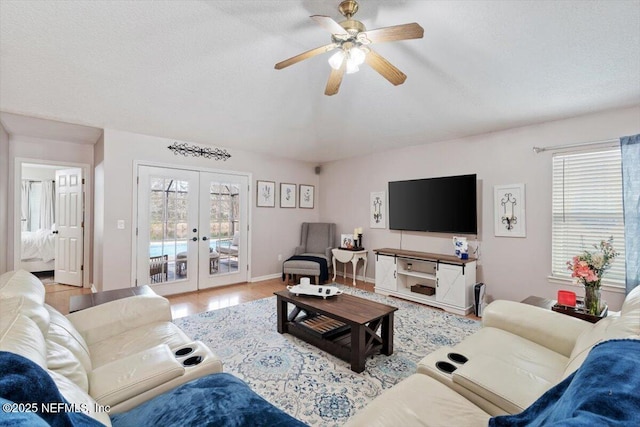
[(346, 241), (287, 195), (306, 196), (509, 210), (266, 194)]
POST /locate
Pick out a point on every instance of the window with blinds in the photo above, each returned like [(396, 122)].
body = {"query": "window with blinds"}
[(587, 208)]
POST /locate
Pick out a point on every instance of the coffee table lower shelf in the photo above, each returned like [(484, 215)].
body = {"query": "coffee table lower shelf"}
[(337, 343)]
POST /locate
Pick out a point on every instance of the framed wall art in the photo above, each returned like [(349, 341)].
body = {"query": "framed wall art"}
[(287, 195), (377, 208), (266, 194), (509, 210), (306, 196)]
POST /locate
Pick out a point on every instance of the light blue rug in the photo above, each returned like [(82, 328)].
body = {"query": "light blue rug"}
[(310, 384)]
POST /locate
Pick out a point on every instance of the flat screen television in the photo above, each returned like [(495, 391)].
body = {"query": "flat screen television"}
[(439, 205)]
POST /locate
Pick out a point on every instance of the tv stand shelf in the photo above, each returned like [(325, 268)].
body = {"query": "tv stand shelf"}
[(452, 278)]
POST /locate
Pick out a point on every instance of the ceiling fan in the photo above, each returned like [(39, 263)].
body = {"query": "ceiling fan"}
[(353, 42)]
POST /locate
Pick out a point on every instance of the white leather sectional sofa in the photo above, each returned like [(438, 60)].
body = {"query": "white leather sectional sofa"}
[(521, 352), (119, 354)]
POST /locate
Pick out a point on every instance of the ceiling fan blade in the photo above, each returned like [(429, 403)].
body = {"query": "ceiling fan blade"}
[(335, 79), (329, 24), (385, 68), (305, 55), (397, 32)]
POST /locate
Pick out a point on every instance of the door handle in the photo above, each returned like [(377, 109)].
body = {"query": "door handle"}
[(195, 230), (55, 232), (195, 239), (205, 238)]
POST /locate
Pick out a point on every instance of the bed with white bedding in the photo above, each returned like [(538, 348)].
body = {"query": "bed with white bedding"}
[(38, 250)]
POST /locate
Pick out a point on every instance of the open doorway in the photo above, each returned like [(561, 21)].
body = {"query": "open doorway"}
[(50, 238)]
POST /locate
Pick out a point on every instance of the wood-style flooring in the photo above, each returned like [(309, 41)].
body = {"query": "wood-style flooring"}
[(190, 303)]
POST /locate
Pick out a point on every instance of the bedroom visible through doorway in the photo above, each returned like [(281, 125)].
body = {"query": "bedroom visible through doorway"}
[(50, 214)]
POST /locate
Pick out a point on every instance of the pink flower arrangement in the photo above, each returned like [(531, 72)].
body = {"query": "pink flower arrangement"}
[(589, 266)]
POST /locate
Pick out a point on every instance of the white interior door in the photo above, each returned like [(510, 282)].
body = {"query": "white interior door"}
[(69, 214), (168, 237), (223, 229)]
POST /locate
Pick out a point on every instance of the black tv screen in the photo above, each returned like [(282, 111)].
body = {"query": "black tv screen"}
[(440, 205)]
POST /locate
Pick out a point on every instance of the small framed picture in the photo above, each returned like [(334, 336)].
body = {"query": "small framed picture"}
[(287, 195), (346, 241), (306, 196), (266, 194)]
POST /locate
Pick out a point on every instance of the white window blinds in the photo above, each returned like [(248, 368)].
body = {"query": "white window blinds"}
[(587, 208)]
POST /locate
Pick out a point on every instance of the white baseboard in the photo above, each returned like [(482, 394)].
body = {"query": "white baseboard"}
[(267, 277)]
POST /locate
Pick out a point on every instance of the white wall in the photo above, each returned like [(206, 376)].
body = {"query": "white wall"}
[(512, 268), (273, 230), (4, 199)]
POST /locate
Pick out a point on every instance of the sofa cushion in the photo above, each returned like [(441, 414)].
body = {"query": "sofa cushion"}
[(135, 341), (604, 391), (62, 361), (419, 401), (20, 283), (62, 331), (19, 334)]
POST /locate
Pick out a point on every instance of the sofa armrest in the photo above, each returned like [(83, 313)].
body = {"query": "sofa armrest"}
[(125, 378), (115, 317), (555, 331)]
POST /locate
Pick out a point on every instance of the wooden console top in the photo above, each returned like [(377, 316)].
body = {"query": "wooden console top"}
[(452, 259)]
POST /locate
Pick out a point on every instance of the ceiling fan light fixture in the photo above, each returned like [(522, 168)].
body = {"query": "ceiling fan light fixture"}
[(357, 55), (352, 67), (336, 59)]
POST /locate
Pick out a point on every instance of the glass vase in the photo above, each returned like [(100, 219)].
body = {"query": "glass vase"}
[(592, 299)]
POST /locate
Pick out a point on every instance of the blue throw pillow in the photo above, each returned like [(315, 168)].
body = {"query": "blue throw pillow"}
[(30, 397)]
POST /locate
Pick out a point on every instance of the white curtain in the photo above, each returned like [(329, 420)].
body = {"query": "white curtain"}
[(47, 217), (25, 219)]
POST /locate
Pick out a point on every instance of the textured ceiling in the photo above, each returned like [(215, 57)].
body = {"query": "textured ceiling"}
[(203, 71)]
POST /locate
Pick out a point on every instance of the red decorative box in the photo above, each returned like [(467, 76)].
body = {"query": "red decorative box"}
[(567, 298)]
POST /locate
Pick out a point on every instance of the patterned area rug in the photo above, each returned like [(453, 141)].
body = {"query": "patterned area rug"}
[(310, 384)]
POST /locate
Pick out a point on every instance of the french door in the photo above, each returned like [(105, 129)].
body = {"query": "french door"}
[(192, 229)]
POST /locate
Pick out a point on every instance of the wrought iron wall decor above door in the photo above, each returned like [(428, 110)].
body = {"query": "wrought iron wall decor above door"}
[(195, 151)]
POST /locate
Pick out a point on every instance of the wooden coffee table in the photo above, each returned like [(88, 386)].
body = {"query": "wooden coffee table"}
[(343, 325)]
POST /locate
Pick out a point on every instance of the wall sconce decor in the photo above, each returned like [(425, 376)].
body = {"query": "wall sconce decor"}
[(509, 210), (195, 151), (377, 208)]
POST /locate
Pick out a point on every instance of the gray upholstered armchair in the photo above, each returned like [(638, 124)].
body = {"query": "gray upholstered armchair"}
[(317, 239)]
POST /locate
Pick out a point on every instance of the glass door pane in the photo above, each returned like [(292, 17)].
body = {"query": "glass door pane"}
[(167, 229), (223, 214)]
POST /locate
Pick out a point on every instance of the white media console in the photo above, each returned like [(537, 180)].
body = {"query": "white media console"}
[(443, 281)]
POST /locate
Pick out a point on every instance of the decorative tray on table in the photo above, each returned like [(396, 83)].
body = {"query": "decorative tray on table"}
[(319, 291)]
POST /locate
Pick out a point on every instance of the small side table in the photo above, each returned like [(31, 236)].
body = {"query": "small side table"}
[(551, 304), (344, 256), (80, 302)]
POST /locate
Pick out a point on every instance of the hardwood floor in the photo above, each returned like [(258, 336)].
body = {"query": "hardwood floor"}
[(195, 302)]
